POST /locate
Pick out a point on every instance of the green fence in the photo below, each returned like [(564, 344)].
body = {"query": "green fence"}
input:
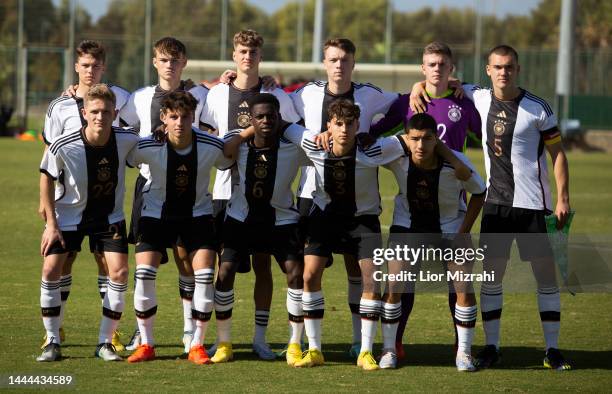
[(594, 112)]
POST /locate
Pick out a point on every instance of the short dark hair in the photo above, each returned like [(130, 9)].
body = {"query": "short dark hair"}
[(170, 46), (248, 38), (422, 122), (438, 48), (503, 50), (263, 98), (343, 43), (93, 48), (179, 101), (343, 109)]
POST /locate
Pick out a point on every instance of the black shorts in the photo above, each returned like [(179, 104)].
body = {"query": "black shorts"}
[(242, 239), (219, 207), (304, 206), (330, 233), (194, 233), (219, 210), (436, 248), (502, 224), (103, 238)]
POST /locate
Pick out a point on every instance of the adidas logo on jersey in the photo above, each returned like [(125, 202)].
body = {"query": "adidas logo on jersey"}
[(103, 161), (243, 105), (182, 168), (502, 115)]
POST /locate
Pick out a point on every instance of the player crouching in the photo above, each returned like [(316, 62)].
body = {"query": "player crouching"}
[(89, 166), (177, 208)]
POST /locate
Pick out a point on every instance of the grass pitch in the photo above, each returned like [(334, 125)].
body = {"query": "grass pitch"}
[(585, 337)]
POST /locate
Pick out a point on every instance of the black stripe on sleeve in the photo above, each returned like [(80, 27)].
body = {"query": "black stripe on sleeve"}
[(47, 173)]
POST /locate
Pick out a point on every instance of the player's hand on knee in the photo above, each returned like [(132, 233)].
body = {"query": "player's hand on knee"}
[(419, 98), (50, 236), (227, 77), (562, 211), (70, 90)]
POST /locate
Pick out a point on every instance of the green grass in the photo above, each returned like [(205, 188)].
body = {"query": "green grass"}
[(585, 338)]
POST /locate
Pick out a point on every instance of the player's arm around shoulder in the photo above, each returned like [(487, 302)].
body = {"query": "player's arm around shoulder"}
[(382, 99), (127, 139), (287, 109), (383, 151), (143, 151), (301, 137), (474, 184), (462, 171), (222, 162), (233, 139)]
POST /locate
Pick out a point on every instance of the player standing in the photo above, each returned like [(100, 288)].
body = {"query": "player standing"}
[(455, 118), (88, 202), (312, 103), (176, 206), (261, 215), (431, 208), (142, 112), (65, 116), (519, 126), (227, 109), (344, 219)]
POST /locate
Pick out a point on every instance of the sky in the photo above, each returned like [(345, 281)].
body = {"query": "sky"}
[(501, 8)]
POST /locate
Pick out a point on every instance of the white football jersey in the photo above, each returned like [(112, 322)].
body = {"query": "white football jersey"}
[(142, 111), (311, 102), (178, 182), (513, 142), (227, 109), (64, 114), (434, 197), (90, 180), (264, 193), (346, 185)]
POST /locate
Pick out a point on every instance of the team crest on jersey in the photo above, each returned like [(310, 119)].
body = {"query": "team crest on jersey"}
[(260, 171), (339, 173), (499, 127), (244, 119), (182, 179), (422, 191), (104, 173), (454, 113)]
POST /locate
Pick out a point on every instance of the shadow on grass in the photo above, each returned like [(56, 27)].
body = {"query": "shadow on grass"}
[(423, 355), (442, 355)]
